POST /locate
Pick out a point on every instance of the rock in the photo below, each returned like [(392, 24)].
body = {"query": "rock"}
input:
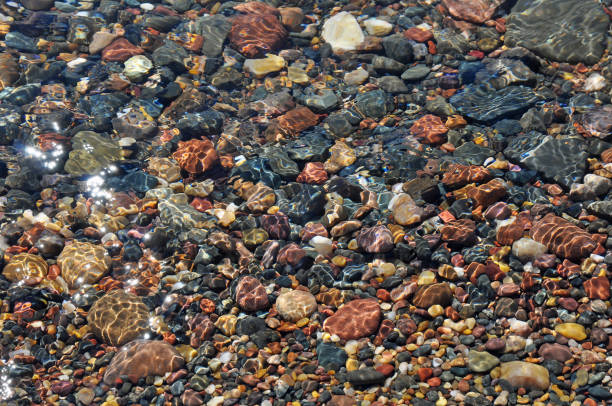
[(481, 361), (430, 129), (251, 294), (356, 319), (25, 266), (313, 172), (597, 288), (365, 376), (9, 70), (214, 29), (292, 18), (434, 294), (118, 318), (261, 67), (101, 40), (342, 32), (527, 249), (392, 84), (482, 104), (525, 375), (195, 156), (356, 77), (142, 358), (477, 11), (460, 232), (555, 351), (404, 209), (375, 239), (91, 153), (415, 73), (330, 356), (37, 5), (399, 48), (20, 42), (387, 65), (601, 208), (377, 27), (598, 184), (562, 237), (85, 396), (83, 263), (295, 305), (571, 330), (120, 50), (137, 67), (254, 35), (570, 31)]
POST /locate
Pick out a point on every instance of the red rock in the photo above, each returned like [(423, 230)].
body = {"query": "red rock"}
[(120, 50), (487, 194), (313, 172), (312, 229), (256, 7), (195, 156), (356, 319), (476, 54), (191, 398), (555, 351), (202, 328), (435, 381), (251, 294), (276, 225), (498, 211), (462, 232), (424, 373), (142, 358), (375, 239), (406, 326), (562, 237), (606, 156), (429, 295), (342, 400), (290, 254), (430, 129), (597, 288), (62, 388), (297, 120), (508, 289), (254, 35), (475, 11), (495, 344), (418, 34), (386, 369), (568, 303), (386, 327), (459, 175)]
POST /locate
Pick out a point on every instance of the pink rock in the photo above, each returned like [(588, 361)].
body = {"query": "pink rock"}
[(251, 294), (356, 319)]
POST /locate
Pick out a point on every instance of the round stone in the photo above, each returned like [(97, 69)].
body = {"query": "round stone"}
[(356, 319), (25, 266), (295, 305), (83, 263)]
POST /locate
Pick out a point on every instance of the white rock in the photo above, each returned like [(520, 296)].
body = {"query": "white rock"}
[(261, 67), (377, 27), (597, 184), (136, 67), (322, 245), (342, 32), (594, 82), (356, 77), (527, 249)]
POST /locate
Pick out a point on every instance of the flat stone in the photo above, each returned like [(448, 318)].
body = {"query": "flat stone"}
[(571, 330), (481, 361), (356, 319), (525, 375), (342, 32)]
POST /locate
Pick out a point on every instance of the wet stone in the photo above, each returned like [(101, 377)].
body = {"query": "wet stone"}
[(357, 318), (83, 263)]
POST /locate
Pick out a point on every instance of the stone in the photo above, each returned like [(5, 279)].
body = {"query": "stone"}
[(430, 129), (260, 198), (120, 50), (251, 294), (476, 11), (482, 104), (481, 361), (261, 67), (342, 32), (526, 375), (375, 239), (254, 34), (415, 73), (313, 172), (377, 27), (555, 351), (527, 249), (330, 356), (387, 65), (356, 319), (405, 210), (340, 156), (118, 318), (295, 305), (100, 40), (460, 175), (83, 263), (356, 77), (9, 70), (91, 153), (562, 237), (297, 120), (142, 358), (571, 330), (433, 294), (292, 18), (461, 232), (201, 329), (399, 48), (598, 184), (597, 288), (24, 267), (137, 67), (195, 156), (37, 5), (365, 377), (564, 30)]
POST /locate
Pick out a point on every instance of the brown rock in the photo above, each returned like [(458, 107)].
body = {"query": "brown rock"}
[(251, 294), (195, 156), (606, 156), (555, 351), (142, 358), (487, 194), (429, 295), (202, 328), (430, 129), (462, 232), (312, 229), (9, 70), (83, 263), (562, 237), (120, 50), (118, 318), (459, 175), (498, 211), (375, 239), (290, 254), (292, 18), (597, 288), (418, 34), (356, 319), (297, 120), (260, 198), (313, 172), (256, 7), (254, 35), (276, 225), (474, 11)]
